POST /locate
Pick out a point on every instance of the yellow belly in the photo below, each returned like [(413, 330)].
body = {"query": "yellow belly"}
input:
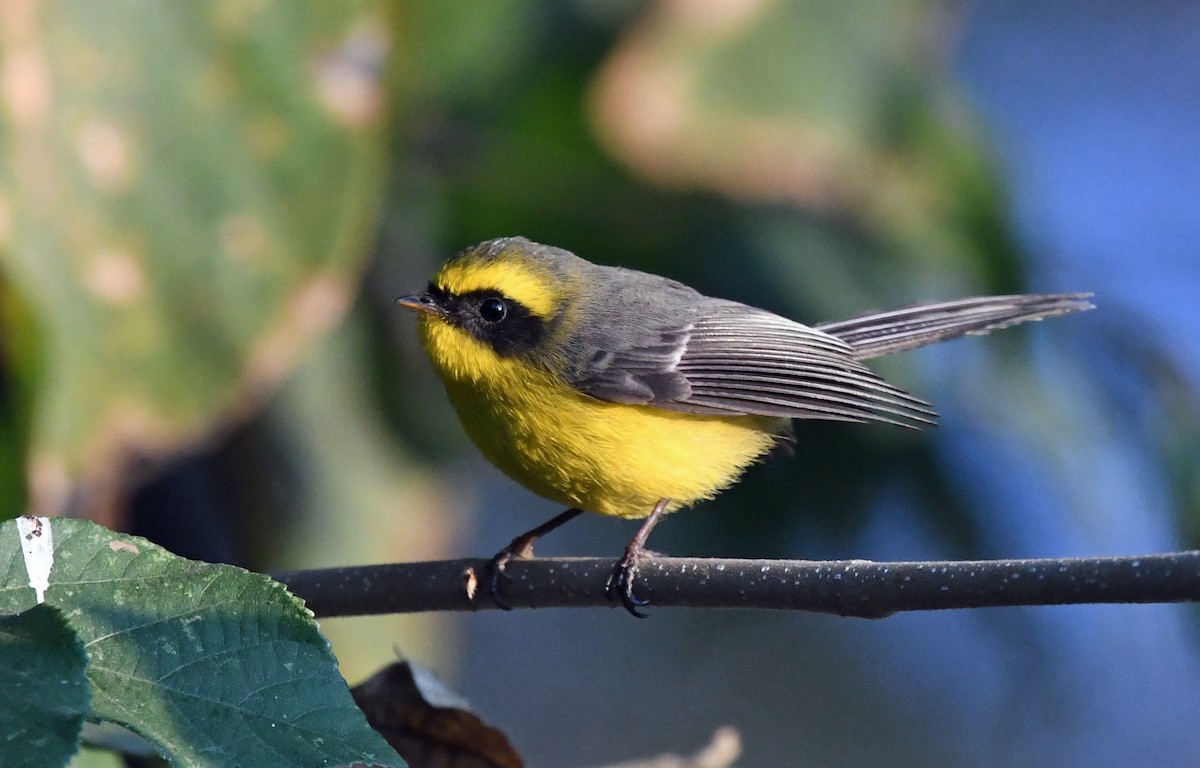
[(582, 452)]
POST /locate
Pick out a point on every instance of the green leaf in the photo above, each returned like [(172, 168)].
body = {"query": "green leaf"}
[(43, 677), (186, 193), (212, 664)]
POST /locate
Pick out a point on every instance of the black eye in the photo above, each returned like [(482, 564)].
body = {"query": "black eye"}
[(493, 310)]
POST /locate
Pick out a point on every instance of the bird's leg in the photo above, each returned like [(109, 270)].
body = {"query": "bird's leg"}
[(620, 581), (522, 548)]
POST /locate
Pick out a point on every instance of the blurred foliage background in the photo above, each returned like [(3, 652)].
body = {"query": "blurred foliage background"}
[(207, 209)]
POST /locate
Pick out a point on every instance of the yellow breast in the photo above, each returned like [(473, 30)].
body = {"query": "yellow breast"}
[(582, 452)]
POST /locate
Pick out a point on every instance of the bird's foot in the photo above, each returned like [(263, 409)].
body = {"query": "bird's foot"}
[(621, 581), (519, 549)]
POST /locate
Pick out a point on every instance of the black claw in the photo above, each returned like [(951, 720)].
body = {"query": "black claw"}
[(496, 567), (522, 548), (624, 573), (621, 581)]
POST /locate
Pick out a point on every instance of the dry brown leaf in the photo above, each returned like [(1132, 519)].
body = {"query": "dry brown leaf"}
[(427, 724)]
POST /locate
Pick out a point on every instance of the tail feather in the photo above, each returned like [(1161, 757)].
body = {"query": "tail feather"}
[(915, 326)]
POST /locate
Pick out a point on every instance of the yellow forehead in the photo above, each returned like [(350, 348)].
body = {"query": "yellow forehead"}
[(527, 283)]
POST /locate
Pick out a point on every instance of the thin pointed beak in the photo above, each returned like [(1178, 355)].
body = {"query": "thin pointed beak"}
[(421, 302)]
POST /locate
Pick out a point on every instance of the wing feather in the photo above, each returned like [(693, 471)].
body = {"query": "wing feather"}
[(688, 352), (729, 358)]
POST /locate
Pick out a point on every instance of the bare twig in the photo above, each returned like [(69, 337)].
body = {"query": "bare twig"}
[(848, 588)]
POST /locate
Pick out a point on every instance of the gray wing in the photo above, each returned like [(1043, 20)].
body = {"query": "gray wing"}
[(720, 357)]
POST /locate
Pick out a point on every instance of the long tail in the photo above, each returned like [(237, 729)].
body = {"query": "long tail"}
[(915, 326)]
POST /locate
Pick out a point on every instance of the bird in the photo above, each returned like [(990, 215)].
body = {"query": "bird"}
[(624, 393)]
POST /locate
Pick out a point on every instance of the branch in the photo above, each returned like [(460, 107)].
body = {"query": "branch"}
[(847, 587)]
